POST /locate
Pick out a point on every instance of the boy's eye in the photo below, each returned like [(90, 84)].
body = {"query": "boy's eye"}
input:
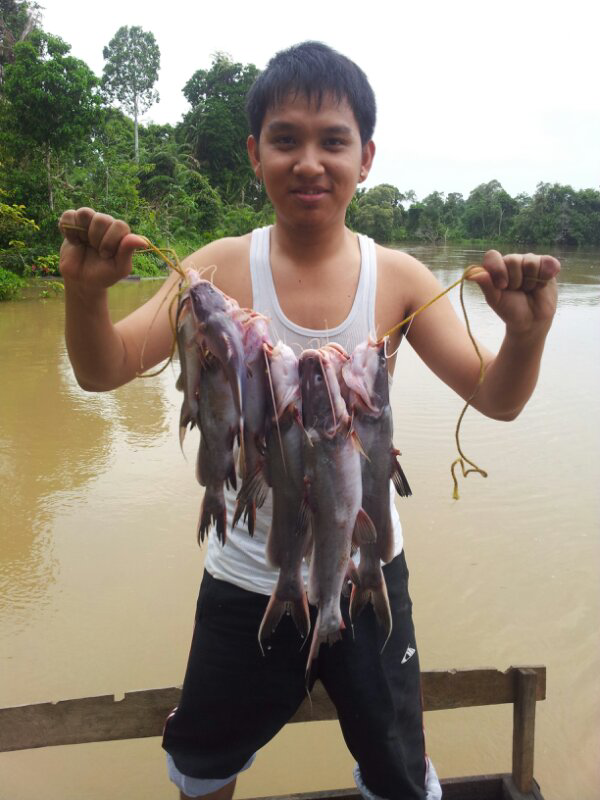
[(334, 142), (284, 141)]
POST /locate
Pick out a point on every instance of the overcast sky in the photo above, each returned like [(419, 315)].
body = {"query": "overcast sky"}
[(466, 91)]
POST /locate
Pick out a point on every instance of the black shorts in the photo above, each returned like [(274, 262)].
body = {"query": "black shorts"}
[(235, 699)]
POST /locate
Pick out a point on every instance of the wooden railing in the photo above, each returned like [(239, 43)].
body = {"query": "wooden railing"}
[(142, 713)]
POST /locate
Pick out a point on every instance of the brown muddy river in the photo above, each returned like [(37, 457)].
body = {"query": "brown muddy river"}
[(99, 566)]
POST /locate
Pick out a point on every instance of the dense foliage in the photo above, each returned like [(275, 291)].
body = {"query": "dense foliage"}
[(63, 145)]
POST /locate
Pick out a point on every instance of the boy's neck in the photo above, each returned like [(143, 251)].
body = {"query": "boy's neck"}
[(310, 243)]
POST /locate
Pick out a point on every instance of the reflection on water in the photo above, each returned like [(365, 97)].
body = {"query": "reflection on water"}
[(99, 566)]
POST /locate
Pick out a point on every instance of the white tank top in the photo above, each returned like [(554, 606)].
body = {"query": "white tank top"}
[(242, 560)]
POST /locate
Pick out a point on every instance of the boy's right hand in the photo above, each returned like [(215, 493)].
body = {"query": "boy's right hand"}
[(99, 255)]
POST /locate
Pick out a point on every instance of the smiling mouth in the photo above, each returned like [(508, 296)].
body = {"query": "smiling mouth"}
[(314, 191)]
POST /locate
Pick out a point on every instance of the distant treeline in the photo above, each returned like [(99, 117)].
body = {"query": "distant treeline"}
[(64, 144)]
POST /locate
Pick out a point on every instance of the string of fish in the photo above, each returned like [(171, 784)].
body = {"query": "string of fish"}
[(471, 271)]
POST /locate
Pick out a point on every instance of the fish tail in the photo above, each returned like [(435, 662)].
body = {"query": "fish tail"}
[(378, 597), (212, 511), (358, 600), (271, 618), (299, 611), (276, 608)]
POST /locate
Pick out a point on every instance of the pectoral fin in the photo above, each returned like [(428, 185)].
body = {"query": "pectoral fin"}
[(364, 530)]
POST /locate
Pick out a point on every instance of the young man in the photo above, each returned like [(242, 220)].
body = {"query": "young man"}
[(312, 114)]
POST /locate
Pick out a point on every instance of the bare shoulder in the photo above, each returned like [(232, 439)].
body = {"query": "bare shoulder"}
[(230, 258), (403, 283)]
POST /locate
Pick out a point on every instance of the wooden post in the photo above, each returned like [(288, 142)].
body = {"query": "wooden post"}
[(523, 729)]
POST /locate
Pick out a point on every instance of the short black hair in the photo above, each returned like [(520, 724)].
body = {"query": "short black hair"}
[(312, 69)]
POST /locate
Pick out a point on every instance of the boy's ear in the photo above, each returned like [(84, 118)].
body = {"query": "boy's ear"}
[(254, 156), (368, 154)]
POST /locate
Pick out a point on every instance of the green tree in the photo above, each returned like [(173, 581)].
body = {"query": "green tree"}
[(379, 212), (216, 128), (50, 106), (488, 211), (102, 173), (133, 62), (17, 21), (432, 224), (557, 214), (453, 212)]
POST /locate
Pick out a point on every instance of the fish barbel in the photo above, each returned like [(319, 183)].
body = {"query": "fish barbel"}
[(287, 542), (366, 376), (333, 493), (220, 425)]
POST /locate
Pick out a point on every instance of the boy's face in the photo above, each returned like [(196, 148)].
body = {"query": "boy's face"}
[(310, 159)]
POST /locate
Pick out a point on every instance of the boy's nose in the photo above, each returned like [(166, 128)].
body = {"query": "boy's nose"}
[(308, 163)]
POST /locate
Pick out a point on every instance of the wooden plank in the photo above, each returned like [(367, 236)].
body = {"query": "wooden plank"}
[(524, 729), (510, 791), (477, 787), (474, 687), (331, 794), (139, 714), (89, 719)]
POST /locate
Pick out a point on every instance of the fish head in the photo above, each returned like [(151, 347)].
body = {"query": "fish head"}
[(366, 376), (207, 300), (285, 378), (323, 407)]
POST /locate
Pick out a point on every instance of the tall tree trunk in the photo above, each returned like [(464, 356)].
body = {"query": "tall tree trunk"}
[(136, 144), (49, 177)]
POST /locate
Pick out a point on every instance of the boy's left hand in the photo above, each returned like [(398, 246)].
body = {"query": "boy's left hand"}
[(521, 289)]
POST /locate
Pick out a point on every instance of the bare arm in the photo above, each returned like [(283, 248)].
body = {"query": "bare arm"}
[(106, 355), (522, 291)]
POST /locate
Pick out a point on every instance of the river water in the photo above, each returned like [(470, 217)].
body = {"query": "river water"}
[(99, 566)]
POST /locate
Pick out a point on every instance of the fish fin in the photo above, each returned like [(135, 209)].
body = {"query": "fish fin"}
[(303, 518), (228, 346), (198, 469), (250, 517), (231, 478), (254, 488), (378, 597), (251, 496), (357, 444), (212, 511), (271, 618), (185, 419), (381, 605), (399, 478), (351, 579), (242, 453), (179, 382), (364, 530), (358, 600)]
